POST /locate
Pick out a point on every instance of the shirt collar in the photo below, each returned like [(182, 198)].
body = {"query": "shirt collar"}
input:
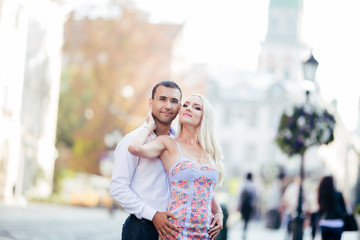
[(172, 133)]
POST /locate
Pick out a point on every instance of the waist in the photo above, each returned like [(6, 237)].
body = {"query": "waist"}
[(331, 223), (143, 220)]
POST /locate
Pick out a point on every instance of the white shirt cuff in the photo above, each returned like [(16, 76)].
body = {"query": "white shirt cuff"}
[(148, 213)]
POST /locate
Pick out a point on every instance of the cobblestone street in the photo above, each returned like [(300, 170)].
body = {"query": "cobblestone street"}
[(53, 222)]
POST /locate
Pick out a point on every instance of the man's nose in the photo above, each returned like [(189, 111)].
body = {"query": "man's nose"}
[(168, 104)]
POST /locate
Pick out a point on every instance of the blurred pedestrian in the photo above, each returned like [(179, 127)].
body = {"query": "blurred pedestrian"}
[(247, 201), (329, 218), (290, 204), (274, 203)]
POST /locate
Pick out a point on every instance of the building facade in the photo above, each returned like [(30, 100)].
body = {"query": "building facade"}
[(249, 104), (31, 40), (248, 107)]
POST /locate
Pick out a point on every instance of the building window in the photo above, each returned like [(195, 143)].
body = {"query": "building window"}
[(253, 118), (6, 104), (240, 114), (17, 17), (250, 154), (225, 147), (226, 116), (274, 118), (1, 7), (286, 74), (4, 160)]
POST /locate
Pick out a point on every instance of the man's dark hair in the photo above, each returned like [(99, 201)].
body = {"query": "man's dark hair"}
[(166, 83)]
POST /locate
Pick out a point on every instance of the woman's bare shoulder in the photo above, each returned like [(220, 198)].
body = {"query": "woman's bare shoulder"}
[(166, 140), (170, 147)]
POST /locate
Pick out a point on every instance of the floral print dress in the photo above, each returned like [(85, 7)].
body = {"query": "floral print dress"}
[(192, 190)]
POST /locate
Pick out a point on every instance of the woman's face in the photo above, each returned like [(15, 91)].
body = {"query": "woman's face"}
[(191, 111)]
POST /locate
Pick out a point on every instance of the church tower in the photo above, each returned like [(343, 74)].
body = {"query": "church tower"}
[(282, 51)]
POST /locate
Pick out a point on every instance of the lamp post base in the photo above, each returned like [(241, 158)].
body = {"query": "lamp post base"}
[(298, 227), (300, 218)]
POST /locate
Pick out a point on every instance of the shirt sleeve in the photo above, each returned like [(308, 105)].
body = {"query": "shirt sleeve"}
[(120, 186)]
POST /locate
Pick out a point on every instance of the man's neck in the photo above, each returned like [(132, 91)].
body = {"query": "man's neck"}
[(162, 129)]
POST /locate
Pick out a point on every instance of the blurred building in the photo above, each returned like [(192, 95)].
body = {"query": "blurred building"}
[(341, 158), (248, 107), (31, 42), (248, 111), (357, 144), (357, 130), (249, 104), (30, 63)]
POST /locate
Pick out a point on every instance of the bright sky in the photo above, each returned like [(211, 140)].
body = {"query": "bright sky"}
[(229, 32)]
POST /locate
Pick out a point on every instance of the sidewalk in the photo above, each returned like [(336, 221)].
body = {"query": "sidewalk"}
[(39, 221)]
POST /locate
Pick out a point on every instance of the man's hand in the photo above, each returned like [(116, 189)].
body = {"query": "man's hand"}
[(216, 225), (162, 224)]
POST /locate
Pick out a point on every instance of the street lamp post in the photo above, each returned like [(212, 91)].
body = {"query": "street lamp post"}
[(309, 67)]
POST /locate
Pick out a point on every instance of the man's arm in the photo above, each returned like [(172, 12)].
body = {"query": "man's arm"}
[(217, 222), (124, 168)]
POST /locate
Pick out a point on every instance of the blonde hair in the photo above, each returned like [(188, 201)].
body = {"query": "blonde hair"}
[(206, 137)]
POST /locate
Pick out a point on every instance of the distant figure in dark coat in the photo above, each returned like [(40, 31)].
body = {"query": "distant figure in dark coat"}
[(332, 208), (247, 201)]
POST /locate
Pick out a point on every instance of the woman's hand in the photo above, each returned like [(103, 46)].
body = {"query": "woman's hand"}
[(216, 225), (150, 122)]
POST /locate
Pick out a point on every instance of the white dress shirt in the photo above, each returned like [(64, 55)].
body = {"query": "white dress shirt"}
[(139, 185)]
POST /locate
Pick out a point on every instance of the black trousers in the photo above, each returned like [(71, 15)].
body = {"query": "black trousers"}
[(331, 233), (138, 229)]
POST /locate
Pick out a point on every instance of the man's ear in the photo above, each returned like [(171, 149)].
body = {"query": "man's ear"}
[(150, 102)]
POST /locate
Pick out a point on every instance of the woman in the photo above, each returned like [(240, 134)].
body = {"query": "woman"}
[(331, 211), (192, 162)]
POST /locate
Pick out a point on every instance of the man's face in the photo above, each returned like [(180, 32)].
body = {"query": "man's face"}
[(166, 104)]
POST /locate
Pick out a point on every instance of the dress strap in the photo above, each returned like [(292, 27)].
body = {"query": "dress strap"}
[(177, 144)]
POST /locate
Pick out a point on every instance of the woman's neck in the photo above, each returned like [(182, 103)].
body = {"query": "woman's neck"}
[(189, 135)]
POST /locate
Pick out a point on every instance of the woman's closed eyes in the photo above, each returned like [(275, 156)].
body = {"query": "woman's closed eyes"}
[(194, 107)]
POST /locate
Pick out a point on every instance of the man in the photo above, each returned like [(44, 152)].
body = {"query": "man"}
[(141, 186)]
